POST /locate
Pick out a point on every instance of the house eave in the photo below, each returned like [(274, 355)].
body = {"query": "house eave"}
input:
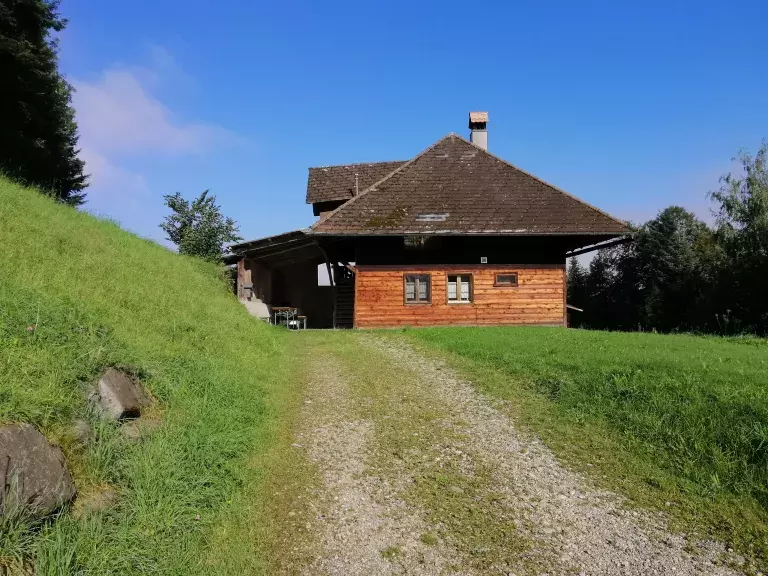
[(467, 233)]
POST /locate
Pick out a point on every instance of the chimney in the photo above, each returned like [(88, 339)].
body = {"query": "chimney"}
[(478, 124)]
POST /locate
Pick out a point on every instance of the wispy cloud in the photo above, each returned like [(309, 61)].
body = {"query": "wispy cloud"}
[(122, 121), (116, 114)]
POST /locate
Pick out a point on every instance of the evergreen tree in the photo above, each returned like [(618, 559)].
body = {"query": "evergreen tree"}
[(598, 312), (672, 261), (38, 134), (576, 283), (198, 228)]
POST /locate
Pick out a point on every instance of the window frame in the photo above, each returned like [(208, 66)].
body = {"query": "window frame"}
[(498, 284), (418, 301), (458, 288)]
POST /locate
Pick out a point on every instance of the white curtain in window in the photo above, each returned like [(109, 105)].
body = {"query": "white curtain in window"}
[(452, 289), (410, 290), (464, 289)]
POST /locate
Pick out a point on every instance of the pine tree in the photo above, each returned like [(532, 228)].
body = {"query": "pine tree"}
[(38, 134)]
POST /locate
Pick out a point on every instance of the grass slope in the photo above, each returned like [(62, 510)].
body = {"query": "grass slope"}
[(673, 420), (78, 294)]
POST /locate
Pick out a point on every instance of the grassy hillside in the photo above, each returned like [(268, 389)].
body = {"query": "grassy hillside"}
[(675, 421), (78, 294)]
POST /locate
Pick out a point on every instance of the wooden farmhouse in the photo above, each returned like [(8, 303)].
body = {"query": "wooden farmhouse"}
[(453, 236)]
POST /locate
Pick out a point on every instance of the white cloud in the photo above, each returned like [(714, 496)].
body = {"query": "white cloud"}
[(120, 118), (105, 175), (116, 114), (114, 192)]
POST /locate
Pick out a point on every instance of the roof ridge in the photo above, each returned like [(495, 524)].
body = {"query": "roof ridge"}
[(557, 189), (373, 186), (355, 164)]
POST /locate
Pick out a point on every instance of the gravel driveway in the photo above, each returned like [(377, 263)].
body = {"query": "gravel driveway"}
[(420, 474)]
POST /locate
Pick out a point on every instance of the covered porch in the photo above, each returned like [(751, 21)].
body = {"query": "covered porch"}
[(294, 271)]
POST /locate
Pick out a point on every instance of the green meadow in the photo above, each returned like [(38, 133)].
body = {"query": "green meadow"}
[(678, 422), (78, 294)]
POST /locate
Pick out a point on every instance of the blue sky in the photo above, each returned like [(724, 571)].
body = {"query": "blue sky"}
[(630, 106)]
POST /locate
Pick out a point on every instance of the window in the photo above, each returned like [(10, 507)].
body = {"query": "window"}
[(506, 279), (459, 288), (417, 289)]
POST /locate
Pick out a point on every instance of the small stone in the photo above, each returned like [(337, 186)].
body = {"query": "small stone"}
[(36, 480), (455, 489), (120, 397), (295, 445)]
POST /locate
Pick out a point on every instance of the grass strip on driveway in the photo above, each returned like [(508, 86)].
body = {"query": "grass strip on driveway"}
[(675, 422), (419, 451)]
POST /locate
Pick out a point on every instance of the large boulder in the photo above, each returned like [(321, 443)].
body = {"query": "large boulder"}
[(34, 480), (120, 397)]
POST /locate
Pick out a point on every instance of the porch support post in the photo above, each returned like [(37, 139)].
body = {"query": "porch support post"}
[(330, 278), (240, 277), (565, 294)]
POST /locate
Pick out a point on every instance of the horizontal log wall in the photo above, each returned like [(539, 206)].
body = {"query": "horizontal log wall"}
[(539, 297)]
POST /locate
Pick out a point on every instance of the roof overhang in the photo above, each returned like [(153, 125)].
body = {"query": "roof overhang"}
[(519, 233), (281, 249), (301, 245), (600, 245)]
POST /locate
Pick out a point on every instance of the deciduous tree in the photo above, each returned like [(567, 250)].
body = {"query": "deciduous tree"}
[(742, 218), (198, 227)]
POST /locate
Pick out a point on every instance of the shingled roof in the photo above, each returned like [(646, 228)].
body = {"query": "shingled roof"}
[(455, 187), (329, 183)]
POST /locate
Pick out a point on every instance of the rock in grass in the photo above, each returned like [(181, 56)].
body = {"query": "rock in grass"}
[(120, 397), (34, 480)]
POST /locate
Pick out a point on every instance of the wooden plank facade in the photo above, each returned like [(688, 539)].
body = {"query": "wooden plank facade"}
[(537, 299)]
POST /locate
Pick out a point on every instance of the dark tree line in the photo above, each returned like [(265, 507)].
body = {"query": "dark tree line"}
[(38, 134), (680, 274)]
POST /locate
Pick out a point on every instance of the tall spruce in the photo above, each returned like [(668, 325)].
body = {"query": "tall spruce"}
[(38, 133)]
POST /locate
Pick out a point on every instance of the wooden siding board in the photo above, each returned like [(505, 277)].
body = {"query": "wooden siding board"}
[(538, 298)]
